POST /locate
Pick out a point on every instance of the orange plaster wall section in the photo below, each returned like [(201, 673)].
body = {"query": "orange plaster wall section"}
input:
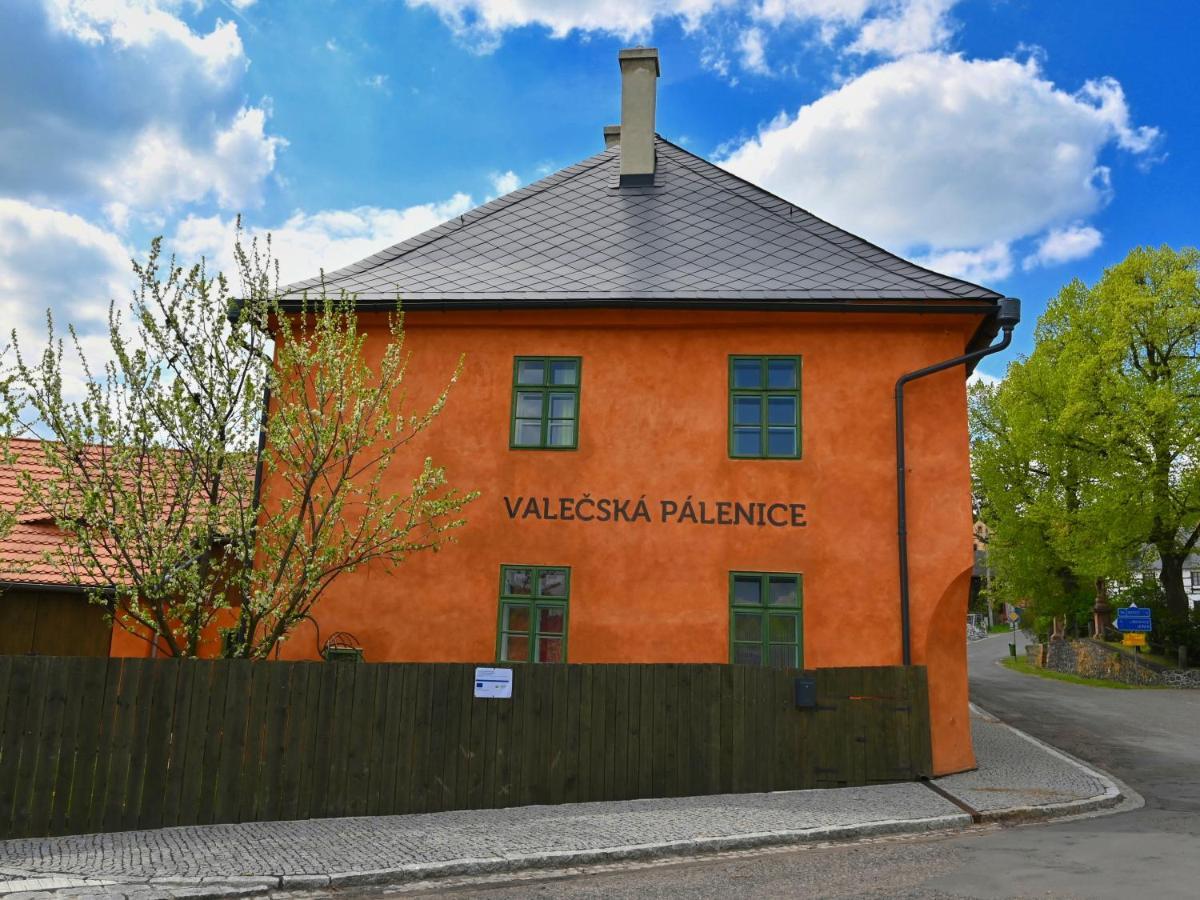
[(653, 424)]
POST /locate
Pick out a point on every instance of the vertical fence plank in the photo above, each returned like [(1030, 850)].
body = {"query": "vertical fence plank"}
[(187, 744), (56, 744), (152, 756), (301, 742), (379, 789), (419, 772), (21, 682), (88, 813), (402, 795), (200, 786), (383, 779), (235, 720), (358, 754), (505, 744), (86, 687), (45, 703), (282, 704), (125, 720), (601, 697)]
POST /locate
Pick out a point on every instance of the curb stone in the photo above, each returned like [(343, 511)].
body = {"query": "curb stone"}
[(1113, 794)]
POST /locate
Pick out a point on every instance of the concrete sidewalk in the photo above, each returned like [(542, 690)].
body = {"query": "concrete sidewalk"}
[(1017, 778)]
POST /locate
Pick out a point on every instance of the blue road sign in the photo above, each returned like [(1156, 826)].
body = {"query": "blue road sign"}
[(1133, 618)]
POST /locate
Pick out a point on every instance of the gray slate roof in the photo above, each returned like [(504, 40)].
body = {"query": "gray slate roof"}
[(698, 234)]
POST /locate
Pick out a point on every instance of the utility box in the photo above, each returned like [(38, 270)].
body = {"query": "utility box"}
[(806, 693)]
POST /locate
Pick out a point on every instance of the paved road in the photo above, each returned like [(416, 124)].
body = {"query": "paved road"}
[(1149, 739)]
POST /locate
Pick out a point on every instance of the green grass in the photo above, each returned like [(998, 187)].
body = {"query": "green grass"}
[(1000, 627), (1020, 665)]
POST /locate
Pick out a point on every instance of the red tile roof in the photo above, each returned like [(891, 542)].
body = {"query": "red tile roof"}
[(23, 551)]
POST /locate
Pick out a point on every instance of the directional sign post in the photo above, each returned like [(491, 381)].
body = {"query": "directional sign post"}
[(1133, 618)]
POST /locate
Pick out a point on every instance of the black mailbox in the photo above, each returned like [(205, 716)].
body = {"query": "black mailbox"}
[(806, 693)]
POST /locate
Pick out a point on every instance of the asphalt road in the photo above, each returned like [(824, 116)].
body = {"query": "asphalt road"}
[(1149, 739)]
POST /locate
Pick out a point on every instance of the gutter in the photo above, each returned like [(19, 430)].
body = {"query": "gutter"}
[(1006, 315)]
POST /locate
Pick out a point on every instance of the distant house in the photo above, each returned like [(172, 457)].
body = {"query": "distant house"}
[(42, 610), (44, 605), (1191, 576)]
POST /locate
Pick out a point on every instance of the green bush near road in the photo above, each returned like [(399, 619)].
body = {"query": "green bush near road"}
[(1020, 665)]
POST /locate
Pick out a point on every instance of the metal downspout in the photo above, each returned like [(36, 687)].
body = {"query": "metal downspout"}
[(1008, 314)]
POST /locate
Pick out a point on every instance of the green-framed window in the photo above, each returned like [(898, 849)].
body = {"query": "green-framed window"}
[(764, 407), (533, 614), (766, 620), (545, 403)]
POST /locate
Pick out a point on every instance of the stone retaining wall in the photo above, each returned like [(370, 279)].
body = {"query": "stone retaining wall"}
[(1092, 659)]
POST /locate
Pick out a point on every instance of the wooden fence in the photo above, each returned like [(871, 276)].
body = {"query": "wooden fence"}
[(116, 744)]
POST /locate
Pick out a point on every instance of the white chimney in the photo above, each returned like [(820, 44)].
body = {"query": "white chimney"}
[(639, 72)]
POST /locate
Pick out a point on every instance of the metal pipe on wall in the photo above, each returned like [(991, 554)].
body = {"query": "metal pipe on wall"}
[(1008, 314)]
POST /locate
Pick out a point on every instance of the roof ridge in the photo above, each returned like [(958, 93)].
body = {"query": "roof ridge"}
[(449, 227), (922, 273)]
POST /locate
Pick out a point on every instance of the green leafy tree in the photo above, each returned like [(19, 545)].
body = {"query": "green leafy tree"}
[(157, 485), (1089, 452)]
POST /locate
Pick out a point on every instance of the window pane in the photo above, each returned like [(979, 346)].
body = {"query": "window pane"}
[(747, 590), (553, 583), (529, 404), (782, 629), (747, 654), (747, 410), (562, 406), (781, 373), (747, 442), (783, 592), (747, 626), (784, 656), (564, 371), (562, 434), (781, 441), (518, 582), (527, 433), (781, 410), (516, 618), (514, 648), (550, 650), (550, 620), (531, 371), (747, 373)]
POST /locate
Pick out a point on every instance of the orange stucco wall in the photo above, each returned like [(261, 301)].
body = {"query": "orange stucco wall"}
[(653, 423)]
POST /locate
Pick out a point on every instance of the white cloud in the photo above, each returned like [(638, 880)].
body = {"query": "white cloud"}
[(124, 105), (378, 81), (1060, 245), (935, 153), (162, 169), (906, 27), (485, 20), (61, 262), (885, 27), (990, 263), (144, 24), (753, 50), (980, 377), (307, 242), (504, 182)]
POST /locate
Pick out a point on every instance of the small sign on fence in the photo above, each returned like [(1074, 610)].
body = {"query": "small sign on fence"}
[(494, 683)]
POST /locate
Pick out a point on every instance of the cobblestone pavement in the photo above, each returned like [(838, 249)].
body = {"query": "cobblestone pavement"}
[(225, 860)]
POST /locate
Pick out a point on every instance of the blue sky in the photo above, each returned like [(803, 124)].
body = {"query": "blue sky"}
[(1018, 143)]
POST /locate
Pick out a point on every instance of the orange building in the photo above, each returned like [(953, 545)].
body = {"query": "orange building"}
[(679, 406)]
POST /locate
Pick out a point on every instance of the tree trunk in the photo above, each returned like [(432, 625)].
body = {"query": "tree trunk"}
[(1172, 582)]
